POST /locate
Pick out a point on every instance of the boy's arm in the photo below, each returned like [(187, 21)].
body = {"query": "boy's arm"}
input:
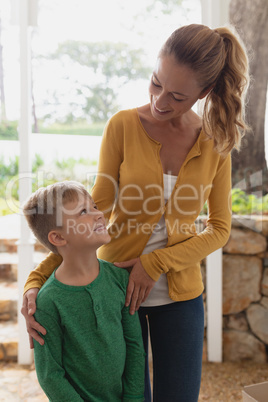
[(39, 276), (48, 363), (133, 377)]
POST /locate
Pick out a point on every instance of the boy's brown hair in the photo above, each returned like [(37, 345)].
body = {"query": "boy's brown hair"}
[(43, 210)]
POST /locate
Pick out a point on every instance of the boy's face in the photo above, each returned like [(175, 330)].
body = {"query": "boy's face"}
[(83, 224)]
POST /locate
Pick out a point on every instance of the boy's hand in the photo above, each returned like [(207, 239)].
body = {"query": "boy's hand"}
[(140, 284), (28, 310)]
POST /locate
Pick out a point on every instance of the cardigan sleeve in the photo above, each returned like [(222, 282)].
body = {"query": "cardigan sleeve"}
[(105, 189), (40, 275), (185, 254)]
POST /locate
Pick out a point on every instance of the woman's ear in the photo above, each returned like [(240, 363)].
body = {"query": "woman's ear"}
[(55, 238), (206, 91)]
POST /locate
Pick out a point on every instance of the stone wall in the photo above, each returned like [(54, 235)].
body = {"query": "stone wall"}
[(245, 291)]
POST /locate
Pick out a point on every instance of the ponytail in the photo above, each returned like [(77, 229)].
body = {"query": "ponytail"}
[(223, 115)]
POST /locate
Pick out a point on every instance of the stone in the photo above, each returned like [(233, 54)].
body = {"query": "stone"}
[(257, 316), (236, 321), (264, 283), (11, 350), (241, 282), (8, 300), (239, 346), (5, 272), (244, 222), (262, 225), (264, 302), (8, 341), (245, 242), (1, 353)]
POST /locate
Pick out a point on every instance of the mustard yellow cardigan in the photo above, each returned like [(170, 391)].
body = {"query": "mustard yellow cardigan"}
[(129, 190)]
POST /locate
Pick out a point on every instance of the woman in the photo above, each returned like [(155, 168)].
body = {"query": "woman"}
[(158, 165)]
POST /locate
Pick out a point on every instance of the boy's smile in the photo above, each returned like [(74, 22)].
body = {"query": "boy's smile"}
[(84, 224)]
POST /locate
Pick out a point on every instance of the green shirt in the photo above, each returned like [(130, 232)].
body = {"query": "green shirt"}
[(93, 349)]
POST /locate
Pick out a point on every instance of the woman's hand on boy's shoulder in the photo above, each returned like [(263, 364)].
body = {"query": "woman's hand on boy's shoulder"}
[(139, 285), (28, 309)]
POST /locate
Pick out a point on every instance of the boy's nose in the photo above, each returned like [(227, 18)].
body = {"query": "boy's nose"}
[(99, 215)]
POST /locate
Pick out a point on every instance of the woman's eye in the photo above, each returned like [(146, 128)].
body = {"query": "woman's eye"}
[(84, 211), (177, 100), (155, 84)]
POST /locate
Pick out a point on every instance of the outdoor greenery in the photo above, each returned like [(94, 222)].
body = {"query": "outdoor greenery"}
[(248, 204), (66, 169), (9, 131), (72, 169), (78, 128)]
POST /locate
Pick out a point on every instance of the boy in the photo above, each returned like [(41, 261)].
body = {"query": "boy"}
[(93, 348)]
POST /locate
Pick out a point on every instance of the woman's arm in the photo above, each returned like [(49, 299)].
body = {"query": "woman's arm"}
[(34, 282), (183, 255), (42, 272), (105, 188)]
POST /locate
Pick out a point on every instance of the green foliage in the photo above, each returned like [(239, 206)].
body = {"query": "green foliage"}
[(8, 206), (67, 169), (109, 65), (248, 204), (8, 169), (72, 128), (9, 130)]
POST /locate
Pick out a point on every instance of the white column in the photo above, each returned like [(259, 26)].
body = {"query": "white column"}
[(214, 306), (25, 244), (215, 13)]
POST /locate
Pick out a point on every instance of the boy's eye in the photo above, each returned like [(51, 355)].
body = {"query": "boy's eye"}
[(84, 211), (95, 207)]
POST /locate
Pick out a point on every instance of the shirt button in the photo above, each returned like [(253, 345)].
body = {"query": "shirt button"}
[(97, 308)]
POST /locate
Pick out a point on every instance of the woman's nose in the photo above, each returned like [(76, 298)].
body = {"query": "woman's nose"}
[(160, 100)]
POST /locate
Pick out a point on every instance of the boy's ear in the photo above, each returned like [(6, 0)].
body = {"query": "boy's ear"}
[(55, 238)]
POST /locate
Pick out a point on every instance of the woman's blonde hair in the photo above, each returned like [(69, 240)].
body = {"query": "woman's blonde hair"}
[(219, 59)]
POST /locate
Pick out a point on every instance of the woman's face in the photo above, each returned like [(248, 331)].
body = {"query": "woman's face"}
[(173, 89)]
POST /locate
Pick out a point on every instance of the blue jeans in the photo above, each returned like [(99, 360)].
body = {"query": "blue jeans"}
[(176, 333)]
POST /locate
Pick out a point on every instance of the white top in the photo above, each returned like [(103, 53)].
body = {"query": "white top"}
[(159, 294)]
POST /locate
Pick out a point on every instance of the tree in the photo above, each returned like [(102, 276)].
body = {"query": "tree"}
[(250, 19), (110, 66)]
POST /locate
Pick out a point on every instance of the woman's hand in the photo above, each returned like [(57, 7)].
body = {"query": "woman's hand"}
[(140, 284), (28, 310)]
